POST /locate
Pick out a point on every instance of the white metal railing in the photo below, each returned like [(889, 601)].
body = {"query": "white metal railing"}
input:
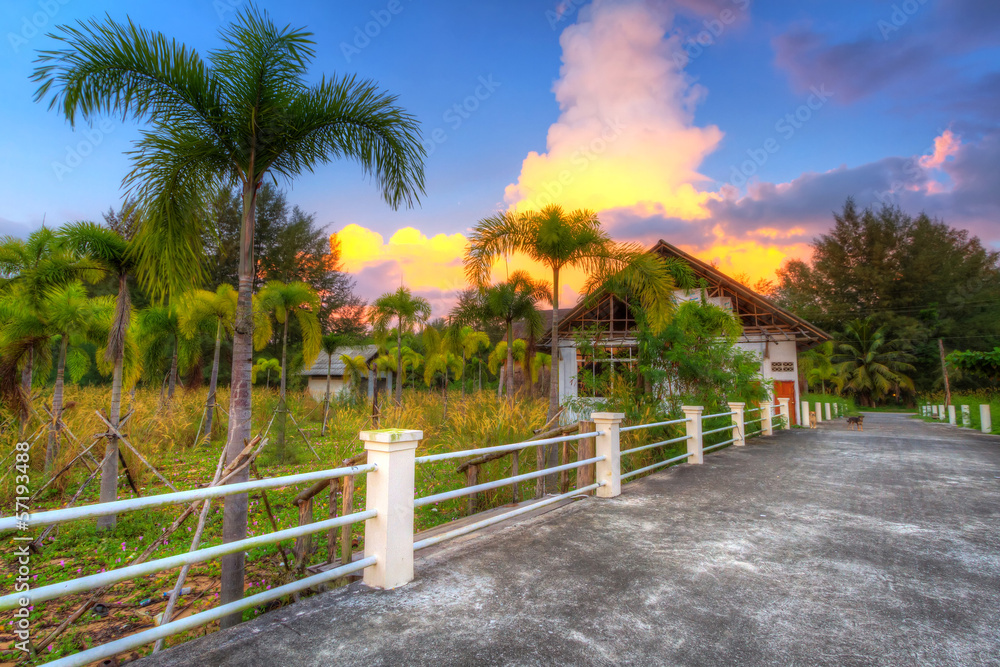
[(391, 501), (96, 581)]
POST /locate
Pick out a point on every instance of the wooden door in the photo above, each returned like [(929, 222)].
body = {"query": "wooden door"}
[(786, 389)]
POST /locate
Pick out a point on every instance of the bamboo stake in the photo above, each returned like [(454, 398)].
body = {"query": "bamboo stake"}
[(303, 435), (142, 458)]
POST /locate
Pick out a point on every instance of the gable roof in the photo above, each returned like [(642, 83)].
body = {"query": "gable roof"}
[(761, 317), (337, 367)]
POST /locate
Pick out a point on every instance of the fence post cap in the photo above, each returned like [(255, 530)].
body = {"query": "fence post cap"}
[(607, 416), (737, 404), (391, 436), (693, 408)]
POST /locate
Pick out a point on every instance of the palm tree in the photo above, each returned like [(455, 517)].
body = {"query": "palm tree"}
[(77, 319), (160, 337), (329, 343), (407, 310), (355, 370), (283, 300), (200, 309), (29, 269), (513, 300), (265, 366), (818, 367), (441, 360), (871, 364), (114, 255), (246, 113), (559, 239), (472, 342)]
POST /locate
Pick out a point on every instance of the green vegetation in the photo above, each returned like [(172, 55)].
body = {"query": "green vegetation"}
[(917, 279)]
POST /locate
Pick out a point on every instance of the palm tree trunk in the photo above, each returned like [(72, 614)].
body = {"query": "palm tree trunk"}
[(234, 522), (282, 410), (326, 408), (399, 361), (27, 374), (510, 360), (109, 469), (213, 383), (52, 451), (551, 451), (173, 371)]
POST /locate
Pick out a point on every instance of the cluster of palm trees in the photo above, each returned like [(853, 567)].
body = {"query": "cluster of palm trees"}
[(863, 362)]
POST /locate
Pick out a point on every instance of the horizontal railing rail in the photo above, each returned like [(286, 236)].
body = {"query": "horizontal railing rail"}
[(636, 427), (642, 448), (655, 466), (178, 498), (430, 458)]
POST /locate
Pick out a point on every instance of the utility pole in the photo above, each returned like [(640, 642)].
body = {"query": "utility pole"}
[(944, 371)]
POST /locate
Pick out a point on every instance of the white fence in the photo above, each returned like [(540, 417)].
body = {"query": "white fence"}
[(388, 517)]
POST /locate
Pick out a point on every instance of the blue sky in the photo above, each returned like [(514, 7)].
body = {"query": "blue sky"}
[(893, 78)]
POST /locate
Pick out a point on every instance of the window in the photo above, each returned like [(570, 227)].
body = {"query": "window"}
[(594, 370), (782, 367)]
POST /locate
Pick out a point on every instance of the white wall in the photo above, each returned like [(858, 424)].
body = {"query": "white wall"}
[(777, 351), (317, 386)]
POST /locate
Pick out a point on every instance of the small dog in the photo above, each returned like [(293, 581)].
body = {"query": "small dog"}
[(857, 423), (812, 419)]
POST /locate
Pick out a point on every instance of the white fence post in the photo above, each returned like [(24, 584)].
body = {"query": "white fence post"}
[(784, 407), (739, 424), (767, 422), (941, 412), (804, 421), (389, 535), (836, 409), (966, 416), (608, 445), (819, 412), (951, 415), (826, 406), (985, 418), (695, 444)]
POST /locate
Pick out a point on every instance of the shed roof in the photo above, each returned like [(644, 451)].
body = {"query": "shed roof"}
[(337, 367)]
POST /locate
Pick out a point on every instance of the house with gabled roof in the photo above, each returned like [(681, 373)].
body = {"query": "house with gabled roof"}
[(776, 335)]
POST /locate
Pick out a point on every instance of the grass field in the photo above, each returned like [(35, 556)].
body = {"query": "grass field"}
[(165, 433)]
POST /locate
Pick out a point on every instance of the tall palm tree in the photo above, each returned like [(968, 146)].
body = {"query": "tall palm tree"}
[(407, 310), (245, 113), (472, 342), (871, 364), (558, 239), (441, 360), (513, 300), (215, 310), (113, 253), (77, 318), (284, 300), (329, 343)]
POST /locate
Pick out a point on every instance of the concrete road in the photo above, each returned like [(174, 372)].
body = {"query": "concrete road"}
[(814, 547)]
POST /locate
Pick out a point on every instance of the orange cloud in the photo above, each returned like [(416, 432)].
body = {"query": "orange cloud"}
[(625, 136)]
